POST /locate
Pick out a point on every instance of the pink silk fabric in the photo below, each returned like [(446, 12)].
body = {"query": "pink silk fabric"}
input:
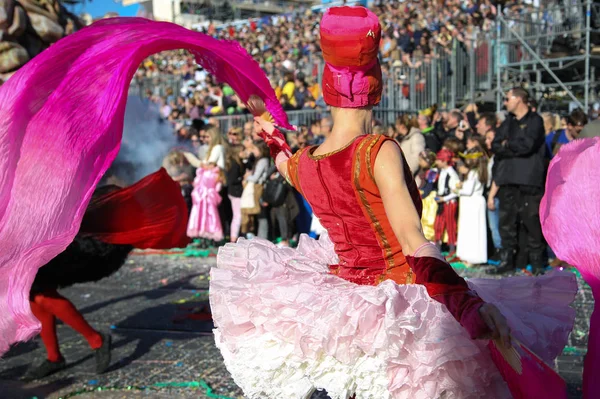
[(61, 122), (570, 217)]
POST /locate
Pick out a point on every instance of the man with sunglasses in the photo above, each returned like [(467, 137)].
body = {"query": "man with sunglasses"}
[(575, 124), (519, 148)]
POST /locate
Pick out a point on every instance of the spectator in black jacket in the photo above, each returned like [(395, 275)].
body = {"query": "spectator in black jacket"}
[(520, 152)]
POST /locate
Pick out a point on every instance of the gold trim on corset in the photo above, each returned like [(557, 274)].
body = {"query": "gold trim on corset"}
[(322, 156), (368, 161), (389, 258), (410, 277), (293, 166)]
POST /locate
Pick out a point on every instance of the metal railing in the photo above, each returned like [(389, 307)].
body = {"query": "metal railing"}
[(306, 117), (447, 78), (155, 85)]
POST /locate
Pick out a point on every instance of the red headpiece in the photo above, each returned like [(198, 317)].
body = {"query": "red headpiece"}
[(350, 42), (446, 155)]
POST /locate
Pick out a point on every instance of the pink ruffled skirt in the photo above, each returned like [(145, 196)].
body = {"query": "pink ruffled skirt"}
[(286, 327)]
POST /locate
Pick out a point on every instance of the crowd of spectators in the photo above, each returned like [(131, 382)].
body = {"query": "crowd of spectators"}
[(287, 47), (454, 156)]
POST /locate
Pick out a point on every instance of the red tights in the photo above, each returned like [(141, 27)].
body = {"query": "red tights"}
[(50, 305)]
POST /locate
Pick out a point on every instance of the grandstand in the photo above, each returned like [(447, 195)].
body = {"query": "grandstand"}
[(448, 53), (547, 49), (551, 50)]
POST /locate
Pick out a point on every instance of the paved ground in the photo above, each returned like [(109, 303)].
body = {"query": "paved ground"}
[(163, 346)]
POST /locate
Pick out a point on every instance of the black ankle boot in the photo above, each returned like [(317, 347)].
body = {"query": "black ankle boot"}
[(495, 255), (507, 262), (102, 354), (537, 264), (45, 369)]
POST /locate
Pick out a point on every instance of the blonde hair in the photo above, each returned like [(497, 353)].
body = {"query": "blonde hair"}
[(551, 121), (174, 158), (216, 138), (407, 120)]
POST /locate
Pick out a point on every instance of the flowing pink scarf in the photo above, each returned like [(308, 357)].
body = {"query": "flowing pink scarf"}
[(61, 120), (570, 217)]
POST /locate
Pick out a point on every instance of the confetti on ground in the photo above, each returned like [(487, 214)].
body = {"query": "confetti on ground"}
[(167, 302)]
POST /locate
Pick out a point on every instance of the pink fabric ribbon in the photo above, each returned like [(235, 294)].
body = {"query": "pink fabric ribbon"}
[(61, 122), (350, 80)]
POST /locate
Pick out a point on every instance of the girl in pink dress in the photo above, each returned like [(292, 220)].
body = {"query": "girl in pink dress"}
[(204, 219)]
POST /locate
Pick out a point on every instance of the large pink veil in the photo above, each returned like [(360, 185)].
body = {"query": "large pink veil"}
[(61, 120), (570, 217)]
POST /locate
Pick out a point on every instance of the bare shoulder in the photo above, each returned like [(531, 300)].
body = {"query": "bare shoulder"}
[(388, 164), (389, 154)]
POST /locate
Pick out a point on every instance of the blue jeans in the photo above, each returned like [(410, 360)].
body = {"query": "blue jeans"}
[(493, 219)]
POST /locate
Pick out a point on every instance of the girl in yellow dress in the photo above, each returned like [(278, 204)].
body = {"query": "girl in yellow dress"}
[(427, 180)]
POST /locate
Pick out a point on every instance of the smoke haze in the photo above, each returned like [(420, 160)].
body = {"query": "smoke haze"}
[(147, 139)]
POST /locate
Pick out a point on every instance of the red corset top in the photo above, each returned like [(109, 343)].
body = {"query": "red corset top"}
[(341, 189)]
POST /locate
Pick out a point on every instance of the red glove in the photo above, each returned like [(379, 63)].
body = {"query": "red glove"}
[(277, 145), (447, 287)]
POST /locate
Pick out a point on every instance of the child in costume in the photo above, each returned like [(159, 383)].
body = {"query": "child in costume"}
[(148, 214), (428, 178), (371, 309), (204, 219), (447, 199), (215, 157), (472, 226)]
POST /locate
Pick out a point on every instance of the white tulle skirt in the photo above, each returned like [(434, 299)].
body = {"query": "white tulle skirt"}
[(286, 327)]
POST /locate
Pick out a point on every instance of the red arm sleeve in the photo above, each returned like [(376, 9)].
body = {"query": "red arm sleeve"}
[(280, 150), (448, 288)]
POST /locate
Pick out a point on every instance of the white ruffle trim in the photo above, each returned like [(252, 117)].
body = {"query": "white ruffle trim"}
[(286, 327)]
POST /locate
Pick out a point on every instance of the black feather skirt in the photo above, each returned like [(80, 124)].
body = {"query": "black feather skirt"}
[(85, 259)]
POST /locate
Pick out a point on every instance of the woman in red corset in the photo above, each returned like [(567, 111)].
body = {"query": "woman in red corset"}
[(372, 309)]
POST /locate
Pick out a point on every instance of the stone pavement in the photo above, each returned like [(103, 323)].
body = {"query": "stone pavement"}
[(156, 310)]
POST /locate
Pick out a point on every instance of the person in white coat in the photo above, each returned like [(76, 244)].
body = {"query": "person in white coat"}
[(411, 141), (472, 228)]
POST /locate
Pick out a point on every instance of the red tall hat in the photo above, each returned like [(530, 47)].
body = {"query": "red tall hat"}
[(350, 42)]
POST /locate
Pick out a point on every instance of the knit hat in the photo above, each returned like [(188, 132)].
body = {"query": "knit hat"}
[(350, 42)]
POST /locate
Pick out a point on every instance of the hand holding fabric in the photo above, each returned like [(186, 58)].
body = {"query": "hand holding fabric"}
[(280, 150), (444, 285)]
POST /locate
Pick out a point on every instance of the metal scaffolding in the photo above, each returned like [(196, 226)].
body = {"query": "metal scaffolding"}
[(548, 50)]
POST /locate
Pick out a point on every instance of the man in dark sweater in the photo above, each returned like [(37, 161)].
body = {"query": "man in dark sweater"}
[(519, 148)]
